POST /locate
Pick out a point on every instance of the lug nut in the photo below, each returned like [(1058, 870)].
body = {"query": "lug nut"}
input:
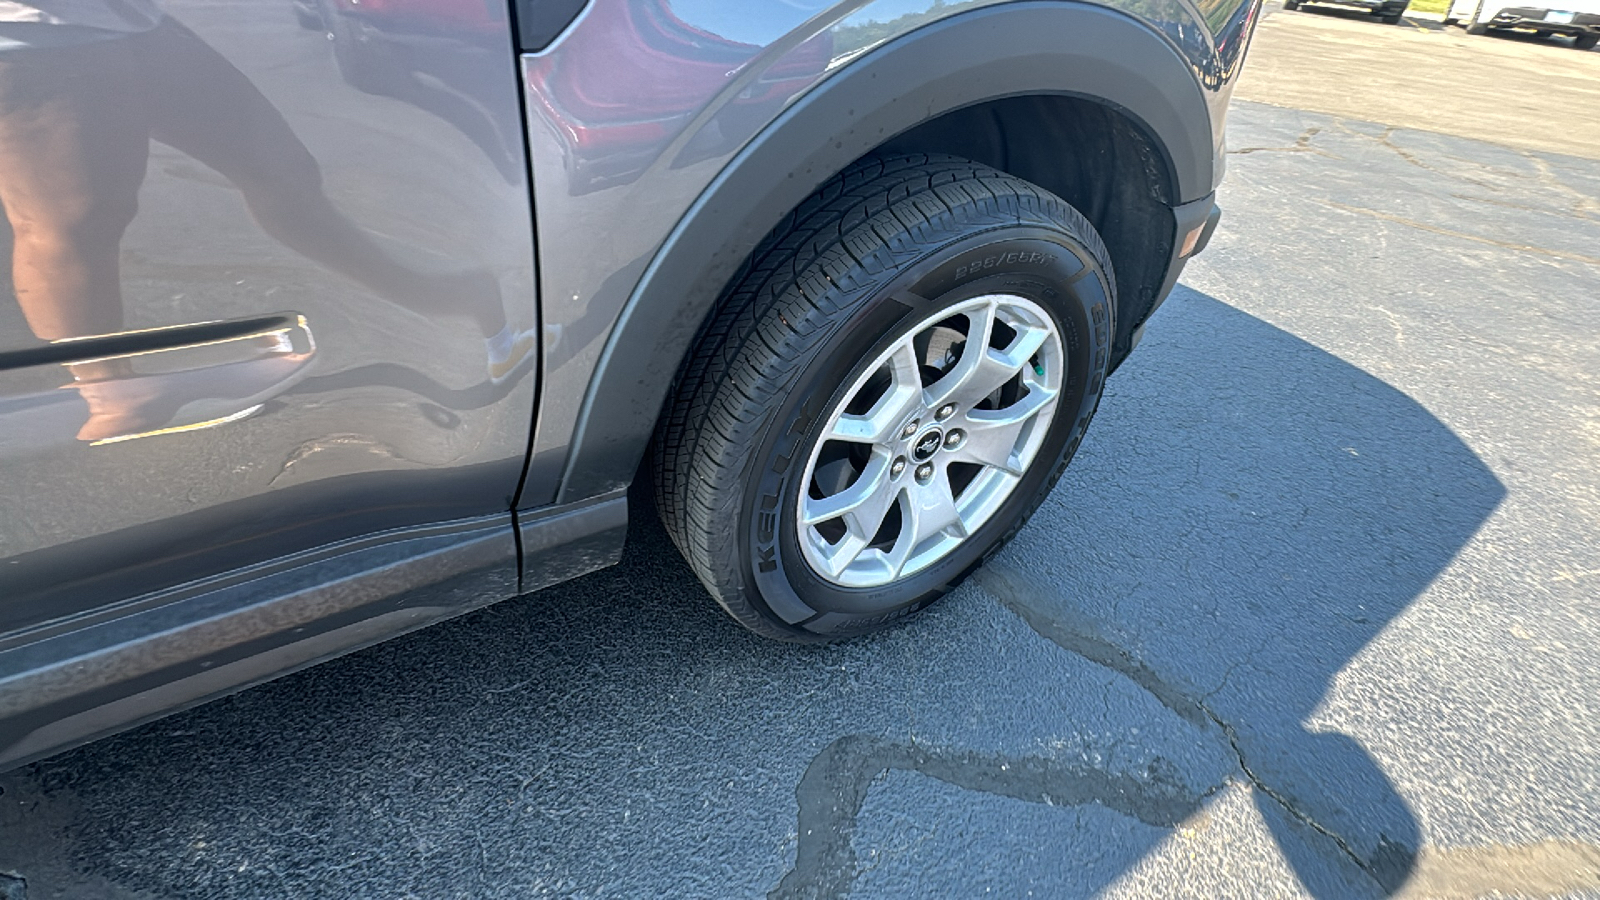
[(911, 428), (954, 439), (925, 473), (897, 467), (946, 411)]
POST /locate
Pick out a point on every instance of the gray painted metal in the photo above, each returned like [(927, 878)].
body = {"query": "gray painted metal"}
[(265, 388), (346, 198), (647, 211)]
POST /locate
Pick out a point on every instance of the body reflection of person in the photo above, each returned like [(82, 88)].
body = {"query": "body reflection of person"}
[(84, 86)]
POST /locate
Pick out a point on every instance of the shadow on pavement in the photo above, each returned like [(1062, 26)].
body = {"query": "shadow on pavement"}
[(1269, 510), (1248, 513), (1532, 37), (1361, 15)]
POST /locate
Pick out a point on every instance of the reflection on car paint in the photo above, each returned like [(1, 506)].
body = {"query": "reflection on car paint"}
[(191, 386), (208, 165), (629, 82), (71, 165), (457, 74)]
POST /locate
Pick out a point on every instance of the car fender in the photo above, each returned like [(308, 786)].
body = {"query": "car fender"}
[(991, 53)]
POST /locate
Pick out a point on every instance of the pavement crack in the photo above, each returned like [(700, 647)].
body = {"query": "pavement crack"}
[(1394, 322), (1078, 639), (835, 786), (1386, 140), (1390, 863), (1577, 211), (1377, 870), (1582, 204), (1302, 144)]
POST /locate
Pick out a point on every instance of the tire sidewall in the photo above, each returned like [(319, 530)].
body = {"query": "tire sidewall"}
[(1050, 266)]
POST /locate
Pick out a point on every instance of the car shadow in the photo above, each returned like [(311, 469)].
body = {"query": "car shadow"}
[(1529, 37), (1248, 513), (1271, 511)]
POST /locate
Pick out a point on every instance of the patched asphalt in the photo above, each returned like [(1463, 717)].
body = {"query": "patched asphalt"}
[(1313, 613)]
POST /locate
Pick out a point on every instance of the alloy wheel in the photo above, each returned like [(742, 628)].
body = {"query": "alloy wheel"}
[(930, 440)]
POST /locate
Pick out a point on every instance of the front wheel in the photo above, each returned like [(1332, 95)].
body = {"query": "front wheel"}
[(888, 390), (1586, 41)]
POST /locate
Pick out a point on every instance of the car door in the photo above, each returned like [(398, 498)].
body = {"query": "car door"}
[(269, 285)]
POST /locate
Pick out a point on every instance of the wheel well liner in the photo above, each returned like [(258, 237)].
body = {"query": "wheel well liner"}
[(1010, 50), (1089, 154)]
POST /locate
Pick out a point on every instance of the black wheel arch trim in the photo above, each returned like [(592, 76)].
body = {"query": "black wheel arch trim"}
[(1017, 49)]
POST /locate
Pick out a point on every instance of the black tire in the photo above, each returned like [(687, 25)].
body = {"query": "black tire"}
[(1391, 20), (1291, 5), (1477, 28), (879, 248), (1586, 41), (1449, 21)]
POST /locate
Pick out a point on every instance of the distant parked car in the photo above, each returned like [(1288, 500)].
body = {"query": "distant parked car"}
[(1577, 19), (1389, 11)]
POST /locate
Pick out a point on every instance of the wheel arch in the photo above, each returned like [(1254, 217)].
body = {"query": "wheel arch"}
[(1052, 52)]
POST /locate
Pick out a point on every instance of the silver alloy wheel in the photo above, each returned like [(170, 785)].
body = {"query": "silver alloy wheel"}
[(930, 440)]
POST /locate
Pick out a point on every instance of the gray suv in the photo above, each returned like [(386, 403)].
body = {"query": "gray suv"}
[(330, 319)]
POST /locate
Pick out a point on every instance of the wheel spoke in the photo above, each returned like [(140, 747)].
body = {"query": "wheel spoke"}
[(925, 511), (929, 520), (1022, 348), (975, 360), (838, 557), (901, 399), (982, 369), (862, 505), (992, 434)]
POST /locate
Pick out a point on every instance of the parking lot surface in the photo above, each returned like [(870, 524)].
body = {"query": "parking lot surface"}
[(1313, 613), (1511, 88)]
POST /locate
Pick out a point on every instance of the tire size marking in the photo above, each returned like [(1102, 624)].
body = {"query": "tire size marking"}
[(1015, 257)]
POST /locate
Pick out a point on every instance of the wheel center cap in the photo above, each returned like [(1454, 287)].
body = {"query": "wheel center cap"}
[(927, 445)]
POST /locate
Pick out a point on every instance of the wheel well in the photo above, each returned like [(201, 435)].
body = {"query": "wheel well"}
[(1126, 159), (1087, 153)]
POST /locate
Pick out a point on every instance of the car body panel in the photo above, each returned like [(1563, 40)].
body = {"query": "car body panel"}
[(728, 80), (342, 467), (356, 233)]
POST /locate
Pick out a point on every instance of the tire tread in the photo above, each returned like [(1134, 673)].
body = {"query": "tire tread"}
[(858, 229)]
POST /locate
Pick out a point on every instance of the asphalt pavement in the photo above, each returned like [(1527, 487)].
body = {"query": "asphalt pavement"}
[(1512, 88), (1313, 613)]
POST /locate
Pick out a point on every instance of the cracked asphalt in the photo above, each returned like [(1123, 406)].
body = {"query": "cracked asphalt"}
[(1313, 613)]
